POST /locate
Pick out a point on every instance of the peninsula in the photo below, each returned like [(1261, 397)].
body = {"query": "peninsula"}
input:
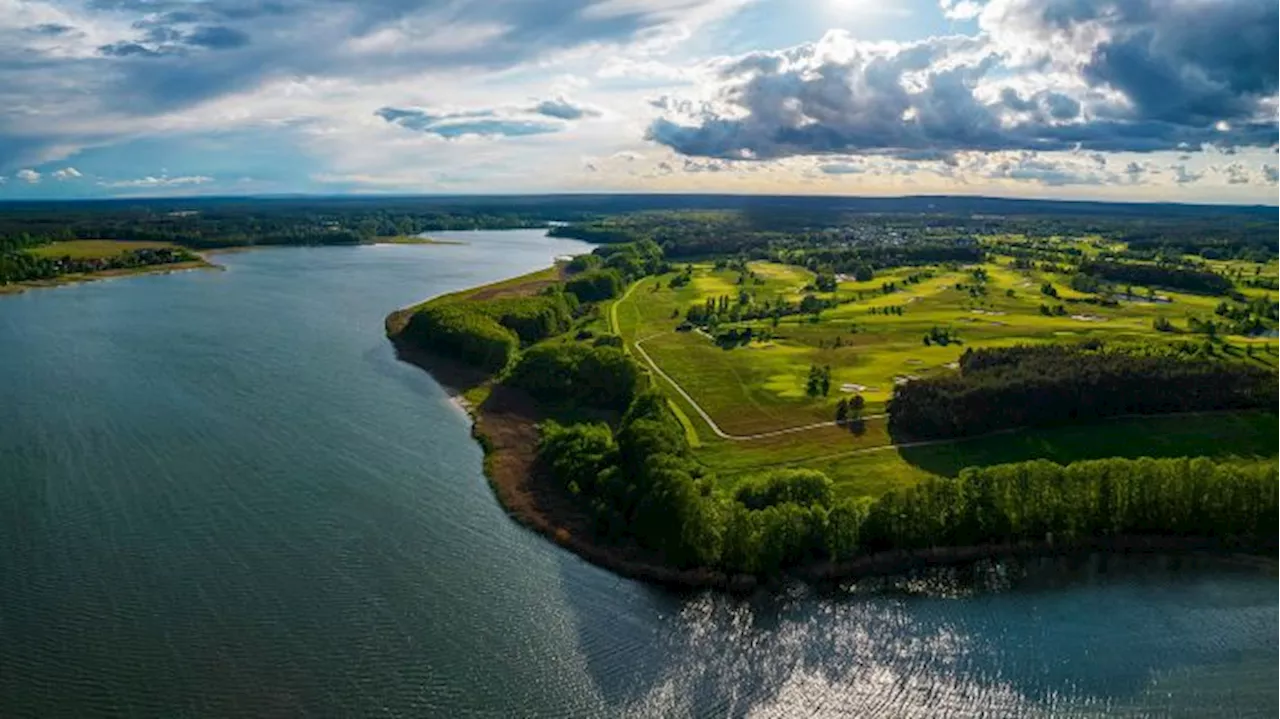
[(703, 403)]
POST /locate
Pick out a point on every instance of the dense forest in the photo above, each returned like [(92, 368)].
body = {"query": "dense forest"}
[(1151, 275), (1005, 387)]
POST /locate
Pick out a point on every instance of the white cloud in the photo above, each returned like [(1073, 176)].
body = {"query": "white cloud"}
[(161, 181), (28, 176), (960, 9), (66, 173)]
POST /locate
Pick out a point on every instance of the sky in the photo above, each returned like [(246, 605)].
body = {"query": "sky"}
[(1139, 100)]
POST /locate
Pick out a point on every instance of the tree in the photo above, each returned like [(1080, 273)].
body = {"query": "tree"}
[(856, 404), (842, 410), (826, 380)]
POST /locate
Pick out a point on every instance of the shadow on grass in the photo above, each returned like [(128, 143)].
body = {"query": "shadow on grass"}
[(1217, 434)]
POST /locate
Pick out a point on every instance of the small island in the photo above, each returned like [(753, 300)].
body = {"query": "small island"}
[(716, 412)]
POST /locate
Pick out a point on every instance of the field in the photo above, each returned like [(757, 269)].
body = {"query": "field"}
[(747, 407), (93, 249)]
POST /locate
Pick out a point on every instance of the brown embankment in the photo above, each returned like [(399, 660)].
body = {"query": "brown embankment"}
[(505, 424)]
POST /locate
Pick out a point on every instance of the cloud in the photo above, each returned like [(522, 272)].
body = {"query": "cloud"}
[(217, 37), (28, 176), (1270, 174), (66, 173), (161, 181), (1236, 174), (1183, 176), (960, 9), (841, 168), (564, 109), (135, 65), (1044, 75), (486, 123), (50, 29)]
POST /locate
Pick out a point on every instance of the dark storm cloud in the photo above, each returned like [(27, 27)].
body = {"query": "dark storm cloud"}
[(1167, 75)]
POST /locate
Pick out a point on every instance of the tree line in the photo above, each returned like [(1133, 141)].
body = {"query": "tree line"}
[(1006, 387), (19, 266), (1039, 500), (1173, 277)]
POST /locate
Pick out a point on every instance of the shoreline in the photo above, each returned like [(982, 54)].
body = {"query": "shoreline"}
[(504, 426), (18, 288)]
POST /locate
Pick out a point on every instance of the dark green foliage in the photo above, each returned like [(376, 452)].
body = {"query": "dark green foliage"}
[(531, 318), (1004, 387), (455, 330), (487, 333), (582, 263), (595, 285), (19, 266), (1081, 282), (573, 373), (578, 453), (1175, 277), (798, 486), (632, 259), (1099, 498), (607, 340), (819, 381)]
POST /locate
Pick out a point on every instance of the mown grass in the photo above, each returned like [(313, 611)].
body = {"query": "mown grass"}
[(93, 249), (761, 387)]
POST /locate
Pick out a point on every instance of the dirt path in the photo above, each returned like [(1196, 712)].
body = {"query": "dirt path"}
[(707, 417), (715, 428)]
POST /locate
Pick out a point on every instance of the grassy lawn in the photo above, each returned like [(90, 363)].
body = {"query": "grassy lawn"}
[(1223, 435), (89, 249), (760, 387)]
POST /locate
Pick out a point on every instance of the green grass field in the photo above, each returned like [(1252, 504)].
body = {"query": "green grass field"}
[(760, 387), (90, 249)]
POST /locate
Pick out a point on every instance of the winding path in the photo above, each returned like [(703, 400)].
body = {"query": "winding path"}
[(617, 329), (711, 422)]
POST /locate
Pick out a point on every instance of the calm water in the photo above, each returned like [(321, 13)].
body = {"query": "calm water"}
[(220, 494)]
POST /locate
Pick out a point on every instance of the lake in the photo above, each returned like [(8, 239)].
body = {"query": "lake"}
[(221, 494)]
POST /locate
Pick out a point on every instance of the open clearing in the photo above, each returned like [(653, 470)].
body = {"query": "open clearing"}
[(756, 393), (92, 249)]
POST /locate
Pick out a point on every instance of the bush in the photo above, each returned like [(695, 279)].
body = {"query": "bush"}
[(797, 486), (582, 263), (455, 331), (595, 285), (574, 373)]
